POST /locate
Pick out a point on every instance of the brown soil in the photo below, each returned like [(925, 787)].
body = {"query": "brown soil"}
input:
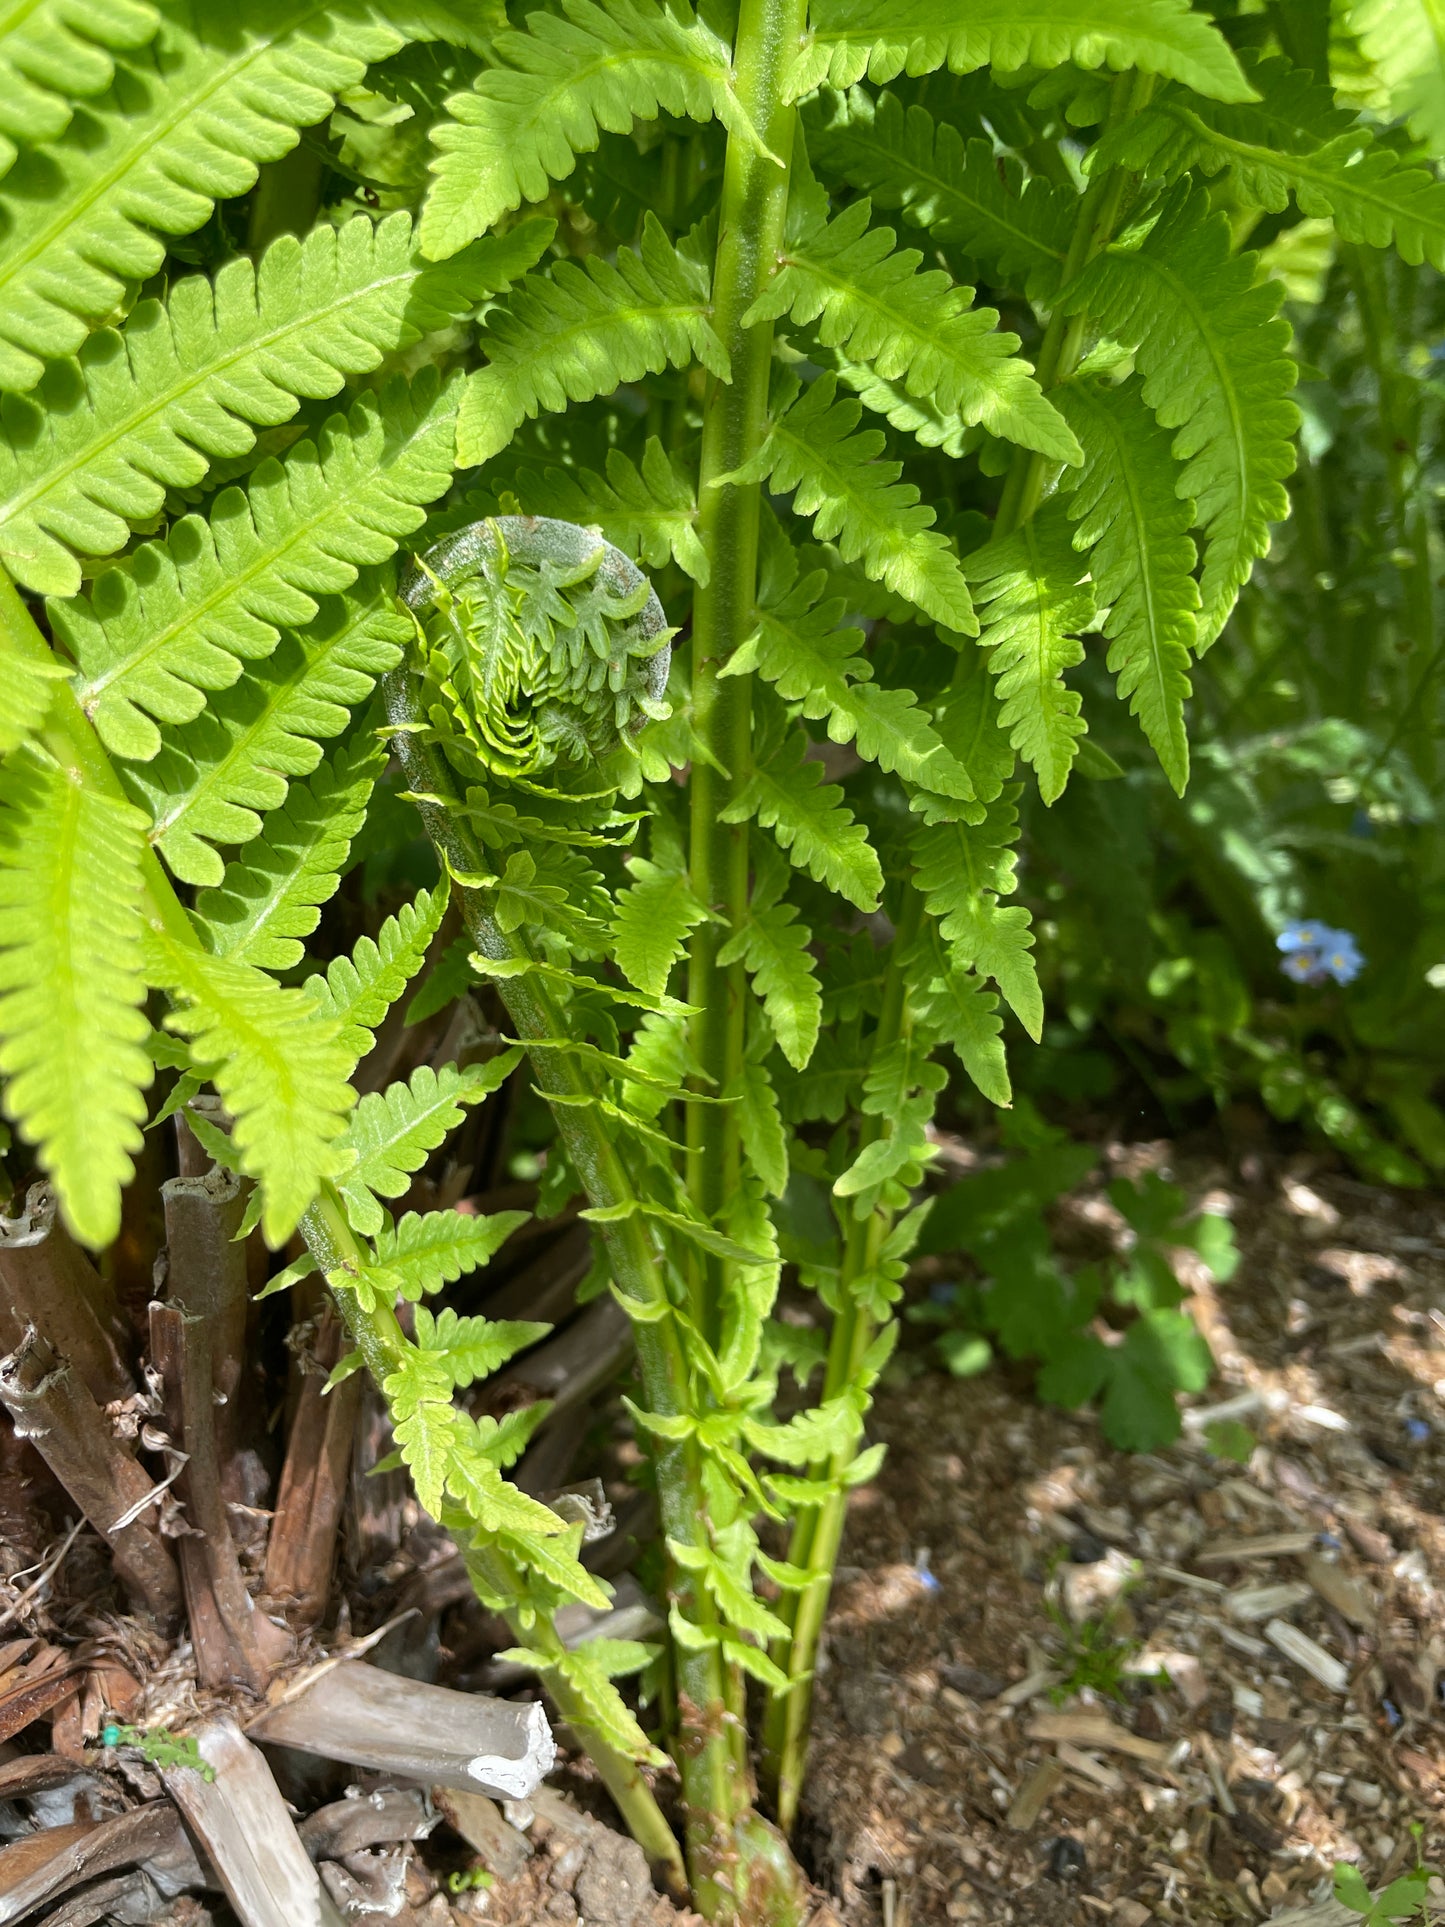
[(997, 1528)]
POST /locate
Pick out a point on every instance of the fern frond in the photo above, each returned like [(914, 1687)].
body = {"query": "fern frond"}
[(799, 647), (1033, 607), (913, 415), (187, 121), (871, 300), (360, 989), (848, 38), (186, 381), (270, 898), (772, 946), (650, 513), (55, 52), (960, 192), (424, 1252), (1212, 352), (550, 93), (1402, 41), (858, 501), (395, 1130), (811, 822), (277, 1063), (580, 332), (180, 617), (1293, 141), (967, 718), (951, 1002), (29, 687), (1141, 557), (961, 872), (71, 988), (650, 927), (213, 778)]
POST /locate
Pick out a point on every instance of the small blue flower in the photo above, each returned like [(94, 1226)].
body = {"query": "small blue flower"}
[(1313, 953), (1416, 1431)]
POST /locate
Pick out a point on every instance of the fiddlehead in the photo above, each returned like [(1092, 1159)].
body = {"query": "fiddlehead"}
[(540, 645)]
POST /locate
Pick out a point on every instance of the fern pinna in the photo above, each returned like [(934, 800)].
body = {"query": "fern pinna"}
[(916, 354)]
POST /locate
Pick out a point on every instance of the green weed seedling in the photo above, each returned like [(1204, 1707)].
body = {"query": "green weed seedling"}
[(1032, 1308), (158, 1746)]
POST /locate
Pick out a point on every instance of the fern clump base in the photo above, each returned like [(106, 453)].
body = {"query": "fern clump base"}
[(664, 526)]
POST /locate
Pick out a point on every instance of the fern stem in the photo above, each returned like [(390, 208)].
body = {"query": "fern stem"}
[(377, 1335), (716, 1798), (1062, 347), (818, 1530), (750, 233)]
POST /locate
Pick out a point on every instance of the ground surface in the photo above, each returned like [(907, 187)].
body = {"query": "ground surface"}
[(949, 1785), (1289, 1613)]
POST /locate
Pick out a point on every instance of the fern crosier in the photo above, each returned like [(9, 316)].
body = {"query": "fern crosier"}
[(538, 642)]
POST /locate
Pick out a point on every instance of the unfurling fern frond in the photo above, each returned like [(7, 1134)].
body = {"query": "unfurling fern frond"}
[(55, 52), (182, 616), (278, 1064), (1212, 353), (801, 649), (1141, 558), (649, 512), (186, 122), (1293, 141), (538, 644), (395, 1129), (215, 777), (579, 332), (960, 192), (811, 822), (849, 38), (1033, 608), (360, 989), (858, 502), (270, 898), (961, 871), (551, 92), (147, 408), (873, 302), (71, 987)]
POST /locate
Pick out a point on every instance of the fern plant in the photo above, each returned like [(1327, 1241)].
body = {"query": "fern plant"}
[(919, 358)]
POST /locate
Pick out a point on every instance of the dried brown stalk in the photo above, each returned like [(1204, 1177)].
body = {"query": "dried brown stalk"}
[(222, 1616), (301, 1552), (47, 1281), (52, 1408), (206, 1278)]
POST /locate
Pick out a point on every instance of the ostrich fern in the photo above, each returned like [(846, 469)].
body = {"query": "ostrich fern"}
[(916, 353)]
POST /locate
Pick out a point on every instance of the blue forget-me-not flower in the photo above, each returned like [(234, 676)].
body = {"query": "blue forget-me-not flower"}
[(1313, 953)]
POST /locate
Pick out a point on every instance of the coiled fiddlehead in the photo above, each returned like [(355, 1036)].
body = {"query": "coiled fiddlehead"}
[(540, 643)]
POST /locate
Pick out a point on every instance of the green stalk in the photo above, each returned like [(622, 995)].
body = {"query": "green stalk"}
[(69, 736), (721, 1829), (750, 234), (818, 1530), (378, 1337)]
